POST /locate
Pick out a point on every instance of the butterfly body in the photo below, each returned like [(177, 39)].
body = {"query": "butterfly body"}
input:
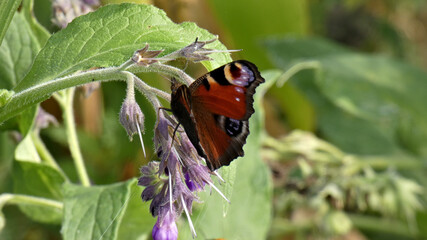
[(215, 109)]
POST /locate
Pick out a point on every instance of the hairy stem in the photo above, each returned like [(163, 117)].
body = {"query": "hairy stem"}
[(8, 198), (165, 69), (40, 92), (296, 69)]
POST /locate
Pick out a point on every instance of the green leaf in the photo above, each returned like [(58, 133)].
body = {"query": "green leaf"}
[(249, 213), (247, 22), (335, 123), (137, 221), (289, 50), (5, 96), (94, 212), (7, 10), (17, 52), (38, 30), (106, 37), (40, 180), (387, 93), (229, 176), (26, 150)]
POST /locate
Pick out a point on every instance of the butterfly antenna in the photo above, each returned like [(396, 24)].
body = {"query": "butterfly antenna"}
[(115, 217)]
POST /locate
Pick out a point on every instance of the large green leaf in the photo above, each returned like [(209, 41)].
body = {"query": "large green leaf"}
[(389, 94), (247, 22), (371, 122), (94, 212), (36, 179), (106, 37), (7, 10), (137, 221)]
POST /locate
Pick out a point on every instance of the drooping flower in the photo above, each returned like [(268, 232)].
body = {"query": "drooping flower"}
[(43, 119), (131, 117), (165, 227), (173, 182)]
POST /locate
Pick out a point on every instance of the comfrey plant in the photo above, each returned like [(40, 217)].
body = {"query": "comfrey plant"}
[(100, 47), (171, 184)]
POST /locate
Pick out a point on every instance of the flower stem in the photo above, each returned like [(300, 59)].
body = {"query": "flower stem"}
[(165, 69), (73, 142), (45, 154), (8, 198), (296, 69), (376, 224)]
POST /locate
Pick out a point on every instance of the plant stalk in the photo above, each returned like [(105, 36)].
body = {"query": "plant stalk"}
[(73, 142)]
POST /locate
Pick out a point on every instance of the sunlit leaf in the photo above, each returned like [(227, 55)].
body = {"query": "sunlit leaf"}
[(40, 180), (94, 212)]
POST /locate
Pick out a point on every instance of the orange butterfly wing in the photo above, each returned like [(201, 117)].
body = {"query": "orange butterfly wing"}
[(221, 103)]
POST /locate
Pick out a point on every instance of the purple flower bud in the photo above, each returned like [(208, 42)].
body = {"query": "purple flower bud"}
[(148, 193), (193, 186), (160, 200), (197, 176), (165, 227), (89, 88), (92, 2), (150, 180), (195, 51), (66, 10), (181, 190), (131, 116), (163, 143), (44, 118)]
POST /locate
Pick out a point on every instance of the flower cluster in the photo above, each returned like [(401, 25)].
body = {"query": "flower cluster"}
[(172, 183)]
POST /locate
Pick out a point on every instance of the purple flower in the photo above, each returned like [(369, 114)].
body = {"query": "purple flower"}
[(43, 119), (131, 117), (65, 11), (196, 176), (172, 183), (165, 227)]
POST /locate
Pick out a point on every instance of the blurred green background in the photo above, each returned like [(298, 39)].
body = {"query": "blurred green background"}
[(356, 170)]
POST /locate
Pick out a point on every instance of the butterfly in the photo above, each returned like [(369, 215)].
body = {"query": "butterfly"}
[(214, 110)]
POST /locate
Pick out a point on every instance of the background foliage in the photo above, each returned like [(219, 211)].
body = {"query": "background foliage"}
[(344, 139)]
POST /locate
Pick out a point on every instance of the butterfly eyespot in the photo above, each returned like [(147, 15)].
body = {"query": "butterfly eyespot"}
[(232, 126), (238, 74)]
